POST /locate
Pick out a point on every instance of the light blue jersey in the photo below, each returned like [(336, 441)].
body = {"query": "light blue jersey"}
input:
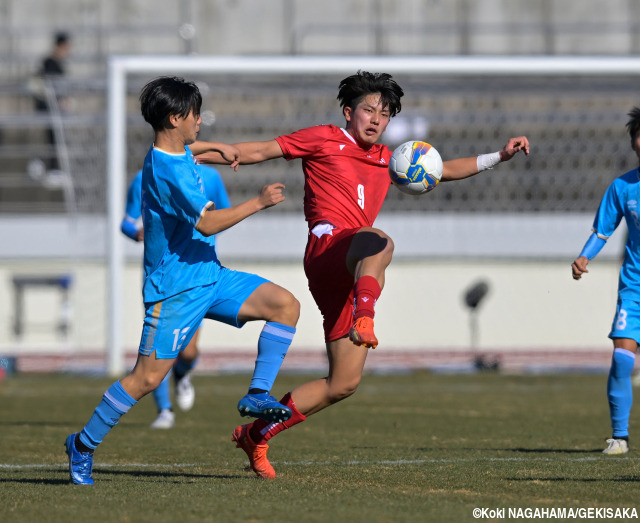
[(176, 256), (133, 208), (213, 189), (622, 199)]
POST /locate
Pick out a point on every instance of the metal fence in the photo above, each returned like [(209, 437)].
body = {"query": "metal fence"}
[(576, 127)]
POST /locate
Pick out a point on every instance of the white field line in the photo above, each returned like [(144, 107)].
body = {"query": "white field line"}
[(398, 462)]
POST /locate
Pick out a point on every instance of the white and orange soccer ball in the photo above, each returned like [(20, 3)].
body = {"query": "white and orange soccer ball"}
[(415, 167)]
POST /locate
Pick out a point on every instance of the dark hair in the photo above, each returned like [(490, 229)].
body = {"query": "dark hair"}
[(61, 38), (354, 88), (166, 96), (633, 125)]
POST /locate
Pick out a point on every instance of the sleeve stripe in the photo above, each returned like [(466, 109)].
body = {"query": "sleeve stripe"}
[(205, 209)]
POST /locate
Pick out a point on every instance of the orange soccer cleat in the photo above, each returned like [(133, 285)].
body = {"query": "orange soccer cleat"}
[(257, 453), (361, 333)]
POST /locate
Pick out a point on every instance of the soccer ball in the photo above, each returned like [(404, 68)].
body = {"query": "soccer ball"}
[(415, 167)]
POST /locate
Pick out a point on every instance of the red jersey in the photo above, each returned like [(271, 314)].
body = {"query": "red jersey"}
[(344, 184)]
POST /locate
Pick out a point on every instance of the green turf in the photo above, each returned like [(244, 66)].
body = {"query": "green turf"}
[(405, 448)]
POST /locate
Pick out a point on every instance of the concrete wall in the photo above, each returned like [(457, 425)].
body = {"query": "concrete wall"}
[(330, 26), (533, 302), (531, 305)]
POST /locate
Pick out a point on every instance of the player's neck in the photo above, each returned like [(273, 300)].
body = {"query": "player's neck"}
[(169, 143)]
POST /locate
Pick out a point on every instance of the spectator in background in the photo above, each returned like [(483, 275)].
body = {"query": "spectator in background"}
[(52, 65), (132, 227)]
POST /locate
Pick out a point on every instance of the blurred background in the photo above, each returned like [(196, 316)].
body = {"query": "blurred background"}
[(511, 232)]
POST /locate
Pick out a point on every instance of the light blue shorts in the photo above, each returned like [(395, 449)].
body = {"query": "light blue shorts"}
[(170, 324), (626, 323)]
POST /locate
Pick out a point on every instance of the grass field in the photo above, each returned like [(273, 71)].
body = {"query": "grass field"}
[(405, 448)]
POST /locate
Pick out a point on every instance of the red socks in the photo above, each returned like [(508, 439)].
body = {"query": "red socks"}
[(366, 291), (261, 431)]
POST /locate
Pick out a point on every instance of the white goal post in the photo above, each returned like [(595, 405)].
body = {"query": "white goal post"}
[(121, 66)]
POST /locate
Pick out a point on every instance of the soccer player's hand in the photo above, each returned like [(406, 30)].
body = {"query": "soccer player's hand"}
[(271, 195), (231, 154), (140, 234), (513, 146), (579, 267)]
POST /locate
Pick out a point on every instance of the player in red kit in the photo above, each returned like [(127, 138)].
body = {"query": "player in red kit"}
[(346, 182)]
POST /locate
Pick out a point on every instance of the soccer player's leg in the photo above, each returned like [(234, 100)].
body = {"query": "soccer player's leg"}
[(116, 402), (625, 332), (185, 393), (345, 372), (161, 395), (368, 257), (242, 297), (166, 328), (281, 311), (620, 396)]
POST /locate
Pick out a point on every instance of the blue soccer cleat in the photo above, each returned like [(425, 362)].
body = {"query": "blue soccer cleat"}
[(80, 463), (265, 407)]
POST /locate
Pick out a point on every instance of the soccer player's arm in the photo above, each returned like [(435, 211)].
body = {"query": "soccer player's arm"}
[(608, 217), (129, 228), (212, 221), (129, 225), (594, 245), (248, 153), (225, 153), (461, 168)]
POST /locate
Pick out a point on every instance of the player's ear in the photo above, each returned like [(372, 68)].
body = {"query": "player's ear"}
[(173, 120), (347, 113)]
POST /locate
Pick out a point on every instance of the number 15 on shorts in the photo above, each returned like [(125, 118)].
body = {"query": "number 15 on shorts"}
[(179, 336)]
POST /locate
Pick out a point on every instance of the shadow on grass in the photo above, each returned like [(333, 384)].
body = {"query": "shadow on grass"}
[(163, 474), (57, 423), (555, 451), (103, 476), (521, 449), (572, 479), (35, 481)]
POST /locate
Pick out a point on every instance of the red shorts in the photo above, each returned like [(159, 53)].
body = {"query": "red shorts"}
[(330, 283)]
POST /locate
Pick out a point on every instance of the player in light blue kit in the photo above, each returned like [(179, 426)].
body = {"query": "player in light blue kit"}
[(621, 200), (132, 227), (183, 280)]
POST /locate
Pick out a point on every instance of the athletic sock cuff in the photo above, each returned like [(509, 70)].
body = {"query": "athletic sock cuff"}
[(278, 331), (623, 352), (118, 398)]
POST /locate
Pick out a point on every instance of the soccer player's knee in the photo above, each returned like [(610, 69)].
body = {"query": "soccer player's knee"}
[(291, 307), (387, 245), (151, 382), (344, 390), (390, 247)]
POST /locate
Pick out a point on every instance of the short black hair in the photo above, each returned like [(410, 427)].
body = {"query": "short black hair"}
[(633, 125), (166, 96), (353, 89), (61, 37)]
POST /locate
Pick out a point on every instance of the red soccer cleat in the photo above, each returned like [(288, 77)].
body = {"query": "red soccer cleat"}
[(257, 453), (362, 333)]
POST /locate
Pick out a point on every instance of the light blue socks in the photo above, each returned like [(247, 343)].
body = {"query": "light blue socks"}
[(620, 392), (273, 345), (115, 403)]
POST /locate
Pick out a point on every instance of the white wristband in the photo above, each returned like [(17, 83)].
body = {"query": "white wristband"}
[(488, 161)]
